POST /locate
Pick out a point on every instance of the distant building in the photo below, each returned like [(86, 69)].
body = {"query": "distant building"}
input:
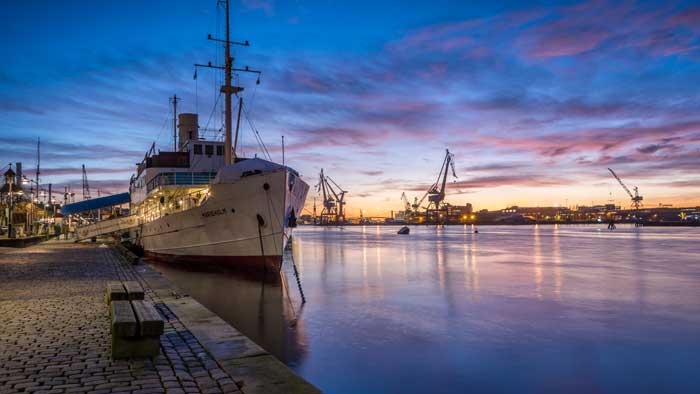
[(306, 219), (460, 213), (546, 214)]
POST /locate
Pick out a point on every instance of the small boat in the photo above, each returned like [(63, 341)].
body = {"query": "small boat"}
[(404, 230)]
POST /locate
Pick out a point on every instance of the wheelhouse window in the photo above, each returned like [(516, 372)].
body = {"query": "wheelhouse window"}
[(219, 150), (197, 149), (209, 150)]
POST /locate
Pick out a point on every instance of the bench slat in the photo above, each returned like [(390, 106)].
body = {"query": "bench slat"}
[(134, 290), (150, 322), (116, 292), (123, 319)]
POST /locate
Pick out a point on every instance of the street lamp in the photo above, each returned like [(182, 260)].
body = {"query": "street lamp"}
[(33, 200), (9, 181), (10, 232)]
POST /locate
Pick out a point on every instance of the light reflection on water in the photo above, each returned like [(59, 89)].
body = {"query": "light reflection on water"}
[(516, 309)]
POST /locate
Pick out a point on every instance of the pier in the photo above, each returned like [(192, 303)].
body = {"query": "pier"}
[(55, 331)]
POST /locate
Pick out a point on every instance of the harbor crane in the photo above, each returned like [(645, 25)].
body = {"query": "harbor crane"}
[(333, 211), (408, 208), (86, 185), (406, 204), (436, 192), (91, 215), (636, 198)]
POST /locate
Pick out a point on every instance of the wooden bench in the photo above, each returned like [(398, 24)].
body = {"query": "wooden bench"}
[(116, 292), (134, 290), (136, 325)]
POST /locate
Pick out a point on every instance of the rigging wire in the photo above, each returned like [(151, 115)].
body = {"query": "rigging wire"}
[(165, 123), (251, 107), (251, 101), (256, 134), (213, 110)]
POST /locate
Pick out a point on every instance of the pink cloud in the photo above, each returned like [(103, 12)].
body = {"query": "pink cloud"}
[(689, 18), (523, 179), (78, 171), (334, 137), (597, 139), (561, 43)]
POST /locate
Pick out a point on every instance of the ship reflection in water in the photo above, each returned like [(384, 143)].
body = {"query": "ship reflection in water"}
[(521, 309), (257, 307)]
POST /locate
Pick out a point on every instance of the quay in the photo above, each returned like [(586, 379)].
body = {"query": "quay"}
[(6, 242), (55, 331)]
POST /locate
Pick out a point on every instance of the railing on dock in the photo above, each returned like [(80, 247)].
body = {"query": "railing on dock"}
[(106, 227)]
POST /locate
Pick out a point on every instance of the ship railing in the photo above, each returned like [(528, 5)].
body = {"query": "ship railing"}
[(180, 178)]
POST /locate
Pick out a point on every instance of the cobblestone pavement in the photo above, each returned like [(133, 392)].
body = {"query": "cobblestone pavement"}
[(54, 330)]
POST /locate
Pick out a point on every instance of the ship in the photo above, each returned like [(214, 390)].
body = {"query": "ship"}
[(202, 203), (192, 208)]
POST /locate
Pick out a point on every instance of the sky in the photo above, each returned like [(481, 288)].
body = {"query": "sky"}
[(536, 100)]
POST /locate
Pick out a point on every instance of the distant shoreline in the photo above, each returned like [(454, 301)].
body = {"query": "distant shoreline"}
[(649, 224)]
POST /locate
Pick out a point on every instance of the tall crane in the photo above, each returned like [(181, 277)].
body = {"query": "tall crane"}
[(436, 195), (636, 198), (86, 185), (408, 212), (436, 192), (333, 211), (406, 204)]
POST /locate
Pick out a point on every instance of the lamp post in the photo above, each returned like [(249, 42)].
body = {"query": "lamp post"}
[(25, 181), (10, 180), (10, 232), (31, 206)]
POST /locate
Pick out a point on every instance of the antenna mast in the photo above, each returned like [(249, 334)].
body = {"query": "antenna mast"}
[(174, 100), (228, 89), (38, 164)]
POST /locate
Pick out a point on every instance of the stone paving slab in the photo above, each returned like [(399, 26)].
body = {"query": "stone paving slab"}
[(54, 330)]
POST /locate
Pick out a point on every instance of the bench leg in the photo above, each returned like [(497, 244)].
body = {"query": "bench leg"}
[(135, 347)]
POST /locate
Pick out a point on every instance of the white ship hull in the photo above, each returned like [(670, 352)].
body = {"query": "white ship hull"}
[(242, 225)]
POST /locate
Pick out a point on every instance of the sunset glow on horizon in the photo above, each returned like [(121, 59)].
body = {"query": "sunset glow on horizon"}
[(535, 102)]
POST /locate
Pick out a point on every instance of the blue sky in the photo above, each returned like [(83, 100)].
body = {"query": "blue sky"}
[(536, 100)]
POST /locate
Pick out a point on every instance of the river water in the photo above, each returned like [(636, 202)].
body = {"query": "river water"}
[(510, 309)]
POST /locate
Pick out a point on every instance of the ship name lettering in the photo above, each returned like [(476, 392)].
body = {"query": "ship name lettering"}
[(214, 212)]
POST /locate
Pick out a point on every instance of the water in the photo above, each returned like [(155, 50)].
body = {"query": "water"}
[(512, 309)]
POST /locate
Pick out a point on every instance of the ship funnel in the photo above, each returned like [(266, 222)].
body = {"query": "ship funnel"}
[(188, 129)]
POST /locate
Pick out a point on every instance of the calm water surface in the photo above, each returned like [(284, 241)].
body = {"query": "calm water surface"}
[(521, 309)]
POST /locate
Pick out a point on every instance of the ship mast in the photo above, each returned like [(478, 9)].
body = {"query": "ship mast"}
[(174, 101), (227, 89)]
